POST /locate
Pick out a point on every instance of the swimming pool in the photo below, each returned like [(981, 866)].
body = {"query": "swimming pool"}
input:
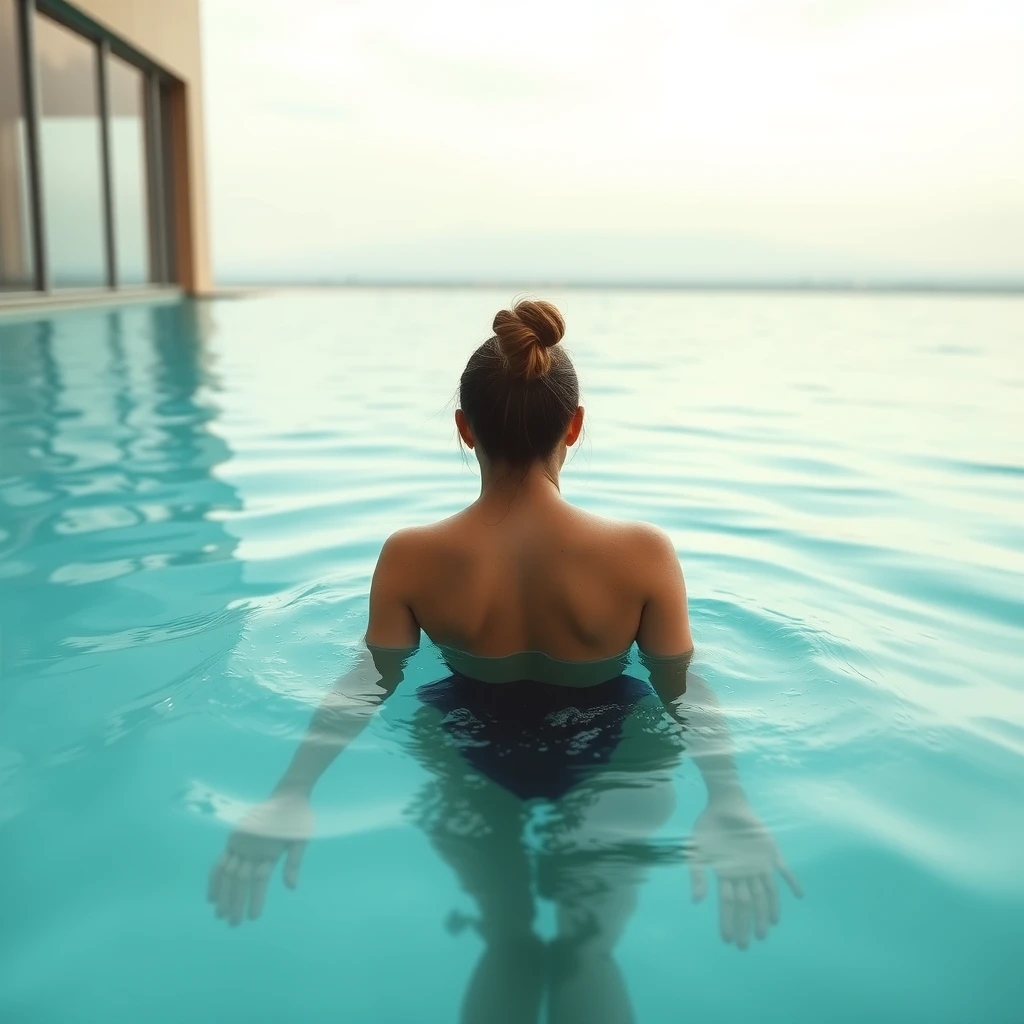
[(192, 497)]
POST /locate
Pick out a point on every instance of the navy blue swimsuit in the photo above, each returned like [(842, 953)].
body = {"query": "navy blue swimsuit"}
[(535, 739)]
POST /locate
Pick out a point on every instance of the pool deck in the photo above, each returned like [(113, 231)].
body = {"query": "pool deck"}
[(33, 304)]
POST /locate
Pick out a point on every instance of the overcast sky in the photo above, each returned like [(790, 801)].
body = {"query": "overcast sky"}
[(615, 139)]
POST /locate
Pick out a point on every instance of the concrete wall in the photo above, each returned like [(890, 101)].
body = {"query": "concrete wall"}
[(167, 31)]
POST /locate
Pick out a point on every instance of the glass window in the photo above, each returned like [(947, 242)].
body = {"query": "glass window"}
[(127, 105), (16, 266), (71, 160)]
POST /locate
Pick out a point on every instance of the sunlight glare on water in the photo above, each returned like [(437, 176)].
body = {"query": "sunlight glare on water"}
[(192, 499)]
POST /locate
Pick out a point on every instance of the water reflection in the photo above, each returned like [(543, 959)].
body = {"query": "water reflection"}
[(587, 852), (116, 571)]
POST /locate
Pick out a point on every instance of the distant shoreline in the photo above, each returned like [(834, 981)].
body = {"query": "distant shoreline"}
[(855, 287)]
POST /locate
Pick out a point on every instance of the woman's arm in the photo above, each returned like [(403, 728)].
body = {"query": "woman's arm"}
[(283, 823), (392, 635), (728, 836), (666, 648), (692, 703), (343, 715)]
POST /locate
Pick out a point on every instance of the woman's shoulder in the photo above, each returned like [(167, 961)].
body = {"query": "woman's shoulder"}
[(636, 548), (641, 536), (411, 539), (652, 540)]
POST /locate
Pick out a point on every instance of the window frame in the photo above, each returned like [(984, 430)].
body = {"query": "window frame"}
[(158, 154)]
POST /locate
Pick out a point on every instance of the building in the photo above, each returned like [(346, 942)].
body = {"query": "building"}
[(102, 172)]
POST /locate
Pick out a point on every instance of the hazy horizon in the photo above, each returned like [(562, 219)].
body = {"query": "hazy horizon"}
[(860, 143), (1008, 286)]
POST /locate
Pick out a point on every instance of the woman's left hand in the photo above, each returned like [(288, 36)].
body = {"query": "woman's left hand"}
[(732, 841), (280, 826)]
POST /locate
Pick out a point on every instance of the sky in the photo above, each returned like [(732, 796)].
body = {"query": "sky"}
[(615, 140)]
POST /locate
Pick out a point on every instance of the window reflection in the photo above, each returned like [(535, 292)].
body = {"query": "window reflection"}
[(16, 256), (71, 156), (127, 105)]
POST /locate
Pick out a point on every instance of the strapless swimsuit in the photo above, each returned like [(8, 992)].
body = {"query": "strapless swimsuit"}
[(535, 739)]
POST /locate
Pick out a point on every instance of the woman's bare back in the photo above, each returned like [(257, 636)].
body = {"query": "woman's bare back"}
[(524, 570)]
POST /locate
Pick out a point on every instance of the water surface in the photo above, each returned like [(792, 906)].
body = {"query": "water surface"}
[(192, 498)]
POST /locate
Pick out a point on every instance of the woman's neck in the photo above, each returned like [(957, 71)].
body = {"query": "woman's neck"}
[(501, 484)]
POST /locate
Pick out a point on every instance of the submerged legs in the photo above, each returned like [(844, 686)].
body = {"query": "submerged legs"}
[(586, 984), (589, 855), (598, 855), (486, 851)]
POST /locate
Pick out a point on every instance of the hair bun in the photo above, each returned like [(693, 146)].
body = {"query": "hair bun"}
[(525, 333)]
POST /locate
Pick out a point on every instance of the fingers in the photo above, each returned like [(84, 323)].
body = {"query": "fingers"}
[(726, 910), (239, 883), (240, 893), (216, 876), (258, 894), (698, 883), (292, 864), (746, 904), (760, 904), (750, 904), (772, 894), (744, 912), (227, 885), (236, 882)]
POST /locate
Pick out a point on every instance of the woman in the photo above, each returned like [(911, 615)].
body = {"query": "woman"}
[(534, 605)]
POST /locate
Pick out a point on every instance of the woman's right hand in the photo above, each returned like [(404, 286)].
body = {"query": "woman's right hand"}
[(279, 826), (729, 838)]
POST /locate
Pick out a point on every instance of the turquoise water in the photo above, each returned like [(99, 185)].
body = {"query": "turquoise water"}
[(192, 498)]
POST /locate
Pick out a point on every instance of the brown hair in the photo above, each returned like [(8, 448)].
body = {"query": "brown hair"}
[(519, 389)]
